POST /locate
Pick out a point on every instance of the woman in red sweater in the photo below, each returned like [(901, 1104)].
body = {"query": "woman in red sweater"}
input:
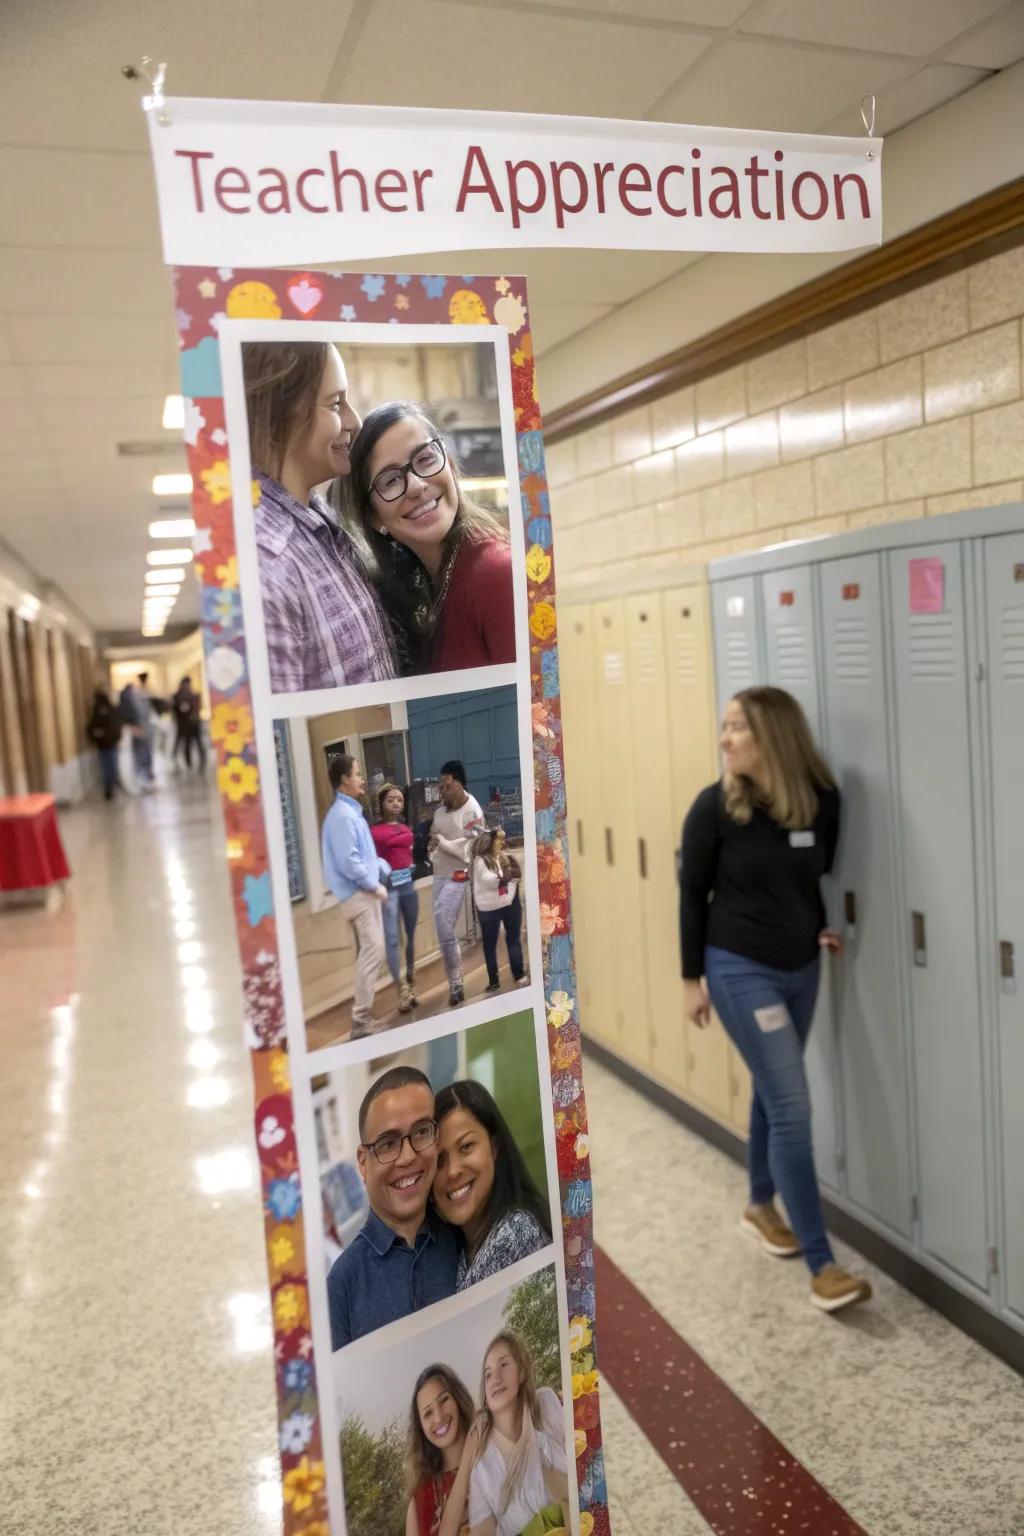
[(393, 842), (442, 565)]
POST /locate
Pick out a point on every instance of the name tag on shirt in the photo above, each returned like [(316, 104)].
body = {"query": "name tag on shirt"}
[(400, 877), (801, 839)]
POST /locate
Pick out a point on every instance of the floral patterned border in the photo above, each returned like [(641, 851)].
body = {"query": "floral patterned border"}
[(203, 297)]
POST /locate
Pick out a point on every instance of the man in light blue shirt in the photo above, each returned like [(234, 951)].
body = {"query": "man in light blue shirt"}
[(352, 873)]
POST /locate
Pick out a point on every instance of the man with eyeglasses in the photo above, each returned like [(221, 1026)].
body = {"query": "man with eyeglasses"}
[(401, 1259)]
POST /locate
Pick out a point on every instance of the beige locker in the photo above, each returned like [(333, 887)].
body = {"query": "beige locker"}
[(711, 1070), (576, 671), (656, 835), (621, 921)]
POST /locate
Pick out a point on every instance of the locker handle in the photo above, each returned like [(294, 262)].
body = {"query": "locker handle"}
[(1007, 967), (642, 850), (609, 847), (920, 940), (579, 838), (850, 911)]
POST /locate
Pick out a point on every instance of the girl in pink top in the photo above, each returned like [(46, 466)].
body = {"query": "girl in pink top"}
[(393, 842)]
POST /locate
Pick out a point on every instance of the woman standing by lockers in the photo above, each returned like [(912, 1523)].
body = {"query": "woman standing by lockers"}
[(756, 845)]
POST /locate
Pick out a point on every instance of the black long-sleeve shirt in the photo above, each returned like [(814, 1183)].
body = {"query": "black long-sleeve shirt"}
[(754, 890)]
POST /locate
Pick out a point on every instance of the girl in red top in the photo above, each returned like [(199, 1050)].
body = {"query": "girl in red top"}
[(442, 565), (443, 1444), (393, 842)]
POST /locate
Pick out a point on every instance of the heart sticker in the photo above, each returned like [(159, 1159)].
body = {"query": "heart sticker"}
[(304, 295)]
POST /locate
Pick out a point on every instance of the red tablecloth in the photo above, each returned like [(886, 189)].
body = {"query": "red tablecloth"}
[(31, 852)]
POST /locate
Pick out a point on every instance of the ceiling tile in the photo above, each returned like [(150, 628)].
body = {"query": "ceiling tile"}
[(759, 85), (912, 27), (83, 282), (420, 53), (700, 13), (63, 197), (912, 98), (62, 61), (995, 46), (555, 323), (597, 277), (73, 381)]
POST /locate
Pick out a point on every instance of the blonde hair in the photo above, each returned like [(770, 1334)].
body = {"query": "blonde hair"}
[(529, 1403), (794, 768)]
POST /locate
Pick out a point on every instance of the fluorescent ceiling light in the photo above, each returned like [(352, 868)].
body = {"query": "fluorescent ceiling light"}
[(159, 602), (172, 485), (168, 556), (161, 591), (174, 413), (150, 632), (177, 574), (172, 528)]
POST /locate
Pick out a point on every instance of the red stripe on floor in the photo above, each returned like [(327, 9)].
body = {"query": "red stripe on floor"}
[(741, 1478)]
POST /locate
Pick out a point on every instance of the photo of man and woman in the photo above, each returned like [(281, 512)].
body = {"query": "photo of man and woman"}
[(463, 1434), (406, 859), (381, 525), (432, 1172)]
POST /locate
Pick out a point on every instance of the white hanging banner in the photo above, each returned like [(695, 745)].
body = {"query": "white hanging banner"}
[(286, 184)]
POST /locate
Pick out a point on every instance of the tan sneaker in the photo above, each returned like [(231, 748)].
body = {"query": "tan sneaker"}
[(834, 1288), (764, 1223)]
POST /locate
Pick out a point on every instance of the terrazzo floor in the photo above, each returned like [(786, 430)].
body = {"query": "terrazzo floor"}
[(137, 1385)]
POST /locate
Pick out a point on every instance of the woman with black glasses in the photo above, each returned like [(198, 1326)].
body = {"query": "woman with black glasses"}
[(442, 565)]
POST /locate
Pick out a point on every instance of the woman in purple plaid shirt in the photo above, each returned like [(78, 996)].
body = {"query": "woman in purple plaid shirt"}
[(323, 623)]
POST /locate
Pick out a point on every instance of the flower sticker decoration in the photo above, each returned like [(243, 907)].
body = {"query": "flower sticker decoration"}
[(237, 779), (303, 1484), (217, 482), (231, 727)]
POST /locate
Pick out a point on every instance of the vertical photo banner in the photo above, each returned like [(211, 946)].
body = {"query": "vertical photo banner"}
[(373, 546)]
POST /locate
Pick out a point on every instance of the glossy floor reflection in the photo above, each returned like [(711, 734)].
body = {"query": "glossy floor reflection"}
[(138, 1388)]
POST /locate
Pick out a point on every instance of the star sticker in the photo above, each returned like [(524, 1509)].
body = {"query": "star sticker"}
[(225, 273), (207, 288), (502, 285), (202, 541)]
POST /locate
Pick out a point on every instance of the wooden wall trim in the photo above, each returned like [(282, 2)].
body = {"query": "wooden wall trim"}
[(968, 234)]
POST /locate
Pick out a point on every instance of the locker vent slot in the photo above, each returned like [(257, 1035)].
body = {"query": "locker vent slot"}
[(792, 643), (646, 662), (932, 647), (684, 657), (852, 651), (1013, 645), (737, 660), (614, 667)]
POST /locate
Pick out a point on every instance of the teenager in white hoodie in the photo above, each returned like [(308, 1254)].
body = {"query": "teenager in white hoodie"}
[(456, 823), (496, 880)]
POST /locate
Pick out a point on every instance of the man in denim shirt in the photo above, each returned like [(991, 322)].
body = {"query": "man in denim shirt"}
[(352, 873), (402, 1259)]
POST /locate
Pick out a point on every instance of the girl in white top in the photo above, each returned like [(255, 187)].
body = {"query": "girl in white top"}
[(496, 878), (521, 1469)]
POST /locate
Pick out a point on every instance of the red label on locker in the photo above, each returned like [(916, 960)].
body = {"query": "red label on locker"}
[(851, 591), (787, 599)]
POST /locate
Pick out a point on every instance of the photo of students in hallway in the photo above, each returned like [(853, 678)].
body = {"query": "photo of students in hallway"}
[(432, 1172), (404, 841), (463, 1434)]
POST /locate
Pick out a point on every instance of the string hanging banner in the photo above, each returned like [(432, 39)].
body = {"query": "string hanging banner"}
[(298, 183)]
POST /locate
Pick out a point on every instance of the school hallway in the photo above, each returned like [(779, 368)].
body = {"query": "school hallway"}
[(139, 1381)]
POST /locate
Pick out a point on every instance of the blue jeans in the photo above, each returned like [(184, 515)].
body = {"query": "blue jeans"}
[(767, 1015), (404, 905), (108, 771)]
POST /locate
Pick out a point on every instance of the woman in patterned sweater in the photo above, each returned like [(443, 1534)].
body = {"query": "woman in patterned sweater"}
[(483, 1186)]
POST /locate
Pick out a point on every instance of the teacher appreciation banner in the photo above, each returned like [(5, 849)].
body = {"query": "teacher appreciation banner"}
[(301, 183)]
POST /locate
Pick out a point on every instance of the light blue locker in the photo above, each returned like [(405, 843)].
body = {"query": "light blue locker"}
[(871, 1049), (1004, 592), (791, 662), (735, 622), (938, 926)]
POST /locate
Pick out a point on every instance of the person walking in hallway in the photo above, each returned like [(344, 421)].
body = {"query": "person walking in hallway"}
[(352, 873), (188, 724), (104, 731), (392, 838), (756, 845), (137, 713), (456, 822), (496, 881)]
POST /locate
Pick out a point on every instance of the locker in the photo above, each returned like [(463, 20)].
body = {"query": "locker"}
[(656, 831), (938, 924), (713, 1068), (791, 662), (1004, 608), (736, 623), (579, 710), (871, 1052), (621, 969)]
